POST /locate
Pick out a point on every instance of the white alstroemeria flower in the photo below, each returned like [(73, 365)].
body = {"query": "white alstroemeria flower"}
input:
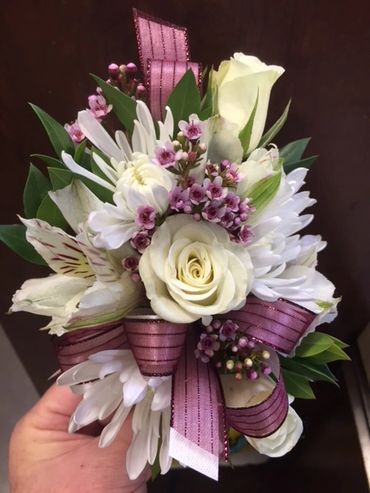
[(261, 164), (192, 269), (284, 262), (88, 287), (111, 385), (237, 85)]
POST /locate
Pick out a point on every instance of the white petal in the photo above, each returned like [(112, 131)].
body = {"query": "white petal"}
[(96, 133), (110, 431), (79, 170)]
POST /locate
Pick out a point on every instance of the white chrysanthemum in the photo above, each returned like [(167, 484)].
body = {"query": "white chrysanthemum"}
[(284, 262), (111, 385)]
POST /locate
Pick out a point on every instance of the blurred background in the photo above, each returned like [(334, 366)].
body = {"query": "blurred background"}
[(47, 51)]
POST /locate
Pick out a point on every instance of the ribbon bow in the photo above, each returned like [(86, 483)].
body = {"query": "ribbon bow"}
[(200, 409), (164, 57)]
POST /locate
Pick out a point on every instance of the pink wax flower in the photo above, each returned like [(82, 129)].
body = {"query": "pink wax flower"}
[(130, 263), (214, 189), (197, 194), (140, 241), (207, 346), (179, 199), (98, 105), (228, 330), (213, 212), (145, 217), (165, 156), (192, 129), (232, 201), (75, 132)]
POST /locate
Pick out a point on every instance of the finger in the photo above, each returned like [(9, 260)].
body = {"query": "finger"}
[(55, 408)]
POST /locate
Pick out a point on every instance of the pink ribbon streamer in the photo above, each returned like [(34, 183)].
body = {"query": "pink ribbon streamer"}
[(164, 57), (279, 324), (198, 435)]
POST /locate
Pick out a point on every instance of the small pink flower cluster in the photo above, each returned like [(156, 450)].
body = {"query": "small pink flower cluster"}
[(240, 354), (124, 78), (146, 220), (98, 107), (213, 201)]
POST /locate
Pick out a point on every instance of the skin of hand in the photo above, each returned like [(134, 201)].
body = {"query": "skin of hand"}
[(45, 458)]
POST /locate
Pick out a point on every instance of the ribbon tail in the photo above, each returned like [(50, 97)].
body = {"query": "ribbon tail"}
[(198, 436)]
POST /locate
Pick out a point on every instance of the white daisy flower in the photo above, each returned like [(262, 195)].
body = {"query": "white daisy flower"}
[(111, 384)]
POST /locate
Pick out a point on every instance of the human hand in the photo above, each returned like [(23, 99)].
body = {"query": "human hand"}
[(45, 458)]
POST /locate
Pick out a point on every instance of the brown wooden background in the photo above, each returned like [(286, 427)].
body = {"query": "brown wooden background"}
[(47, 50)]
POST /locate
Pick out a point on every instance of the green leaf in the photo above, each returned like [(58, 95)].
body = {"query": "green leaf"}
[(306, 368), (81, 157), (314, 343), (123, 106), (207, 101), (60, 178), (338, 342), (333, 353), (297, 386), (304, 163), (14, 237), (49, 161), (293, 151), (58, 135), (37, 186), (50, 213), (246, 133), (278, 125), (264, 190), (185, 98)]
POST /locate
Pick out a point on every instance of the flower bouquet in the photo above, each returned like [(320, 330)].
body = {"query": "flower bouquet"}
[(182, 290)]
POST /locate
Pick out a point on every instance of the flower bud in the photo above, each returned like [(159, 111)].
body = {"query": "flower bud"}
[(230, 364), (113, 70), (131, 68), (248, 362)]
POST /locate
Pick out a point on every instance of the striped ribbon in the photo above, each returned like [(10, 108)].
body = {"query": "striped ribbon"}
[(164, 57), (76, 346), (279, 324)]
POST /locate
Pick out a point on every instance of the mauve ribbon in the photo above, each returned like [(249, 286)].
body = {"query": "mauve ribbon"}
[(279, 324), (263, 419), (164, 56), (156, 344), (76, 346), (198, 434)]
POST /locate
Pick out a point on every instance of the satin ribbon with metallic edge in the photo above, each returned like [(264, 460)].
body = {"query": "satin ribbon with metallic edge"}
[(76, 346), (279, 324), (164, 57), (198, 433), (156, 344)]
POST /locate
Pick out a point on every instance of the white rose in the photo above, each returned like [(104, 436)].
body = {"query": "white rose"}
[(141, 183), (192, 269), (283, 439), (236, 85), (260, 164)]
